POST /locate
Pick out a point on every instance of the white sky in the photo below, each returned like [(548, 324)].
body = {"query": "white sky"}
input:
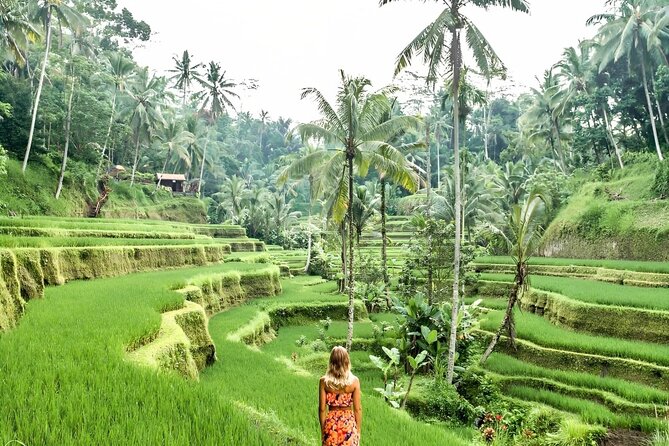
[(292, 44)]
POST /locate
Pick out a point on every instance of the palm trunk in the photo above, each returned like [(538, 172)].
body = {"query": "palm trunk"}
[(68, 125), (507, 322), (609, 132), (344, 276), (167, 158), (659, 112), (384, 243), (650, 109), (136, 161), (560, 150), (428, 167), (486, 121), (109, 130), (351, 275), (204, 159), (436, 140), (39, 90), (456, 56)]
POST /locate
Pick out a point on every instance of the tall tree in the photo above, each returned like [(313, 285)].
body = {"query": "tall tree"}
[(215, 95), (432, 42), (144, 110), (522, 233), (120, 70), (67, 17), (358, 131), (185, 73), (16, 31), (79, 47), (630, 33)]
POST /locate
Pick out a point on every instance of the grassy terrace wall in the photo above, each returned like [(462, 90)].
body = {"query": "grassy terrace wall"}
[(25, 272), (183, 343)]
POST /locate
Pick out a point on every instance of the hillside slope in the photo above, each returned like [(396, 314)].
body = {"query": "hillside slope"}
[(33, 194), (615, 219)]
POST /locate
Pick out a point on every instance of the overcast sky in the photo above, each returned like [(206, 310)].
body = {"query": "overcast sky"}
[(292, 44)]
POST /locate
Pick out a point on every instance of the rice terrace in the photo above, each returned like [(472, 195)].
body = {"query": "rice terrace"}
[(304, 223)]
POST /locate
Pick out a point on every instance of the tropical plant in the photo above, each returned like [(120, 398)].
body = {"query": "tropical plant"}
[(522, 233), (431, 41), (633, 33), (120, 71), (215, 95), (358, 132), (143, 109), (185, 73), (175, 140), (16, 30), (67, 17)]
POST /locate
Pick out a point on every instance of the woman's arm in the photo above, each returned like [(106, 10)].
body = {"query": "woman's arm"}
[(357, 406), (321, 404)]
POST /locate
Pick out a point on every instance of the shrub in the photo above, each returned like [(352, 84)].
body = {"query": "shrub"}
[(3, 160), (575, 433), (438, 400), (661, 184)]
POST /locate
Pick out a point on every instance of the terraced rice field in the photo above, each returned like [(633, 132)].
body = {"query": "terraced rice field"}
[(590, 345)]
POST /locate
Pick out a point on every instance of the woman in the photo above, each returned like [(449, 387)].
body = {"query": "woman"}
[(339, 409)]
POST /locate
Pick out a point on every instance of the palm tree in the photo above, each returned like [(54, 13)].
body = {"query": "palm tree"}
[(79, 46), (143, 108), (45, 13), (16, 31), (185, 73), (522, 234), (175, 139), (215, 96), (629, 33), (358, 131), (576, 70), (120, 70), (365, 206), (544, 116), (432, 42), (231, 196)]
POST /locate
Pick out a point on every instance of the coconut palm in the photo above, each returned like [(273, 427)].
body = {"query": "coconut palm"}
[(630, 33), (437, 52), (543, 119), (143, 109), (358, 133), (365, 206), (185, 73), (231, 196), (215, 95), (80, 46), (16, 31), (522, 233), (67, 17), (175, 140), (120, 70), (577, 71)]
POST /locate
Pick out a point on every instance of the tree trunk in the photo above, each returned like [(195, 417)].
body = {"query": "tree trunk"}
[(351, 275), (650, 109), (428, 167), (384, 244), (136, 161), (167, 158), (609, 132), (659, 111), (68, 125), (456, 57), (486, 121), (39, 90), (560, 150), (507, 322), (437, 135), (204, 159), (104, 147), (344, 276)]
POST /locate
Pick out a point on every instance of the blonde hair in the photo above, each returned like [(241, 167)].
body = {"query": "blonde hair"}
[(339, 373)]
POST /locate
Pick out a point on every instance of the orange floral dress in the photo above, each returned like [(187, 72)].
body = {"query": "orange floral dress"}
[(340, 428)]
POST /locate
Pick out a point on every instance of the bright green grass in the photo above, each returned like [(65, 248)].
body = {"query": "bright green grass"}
[(540, 331), (589, 411), (9, 241), (602, 293), (629, 265), (256, 378), (507, 365), (64, 380)]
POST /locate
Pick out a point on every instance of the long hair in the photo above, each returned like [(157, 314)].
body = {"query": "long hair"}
[(339, 374)]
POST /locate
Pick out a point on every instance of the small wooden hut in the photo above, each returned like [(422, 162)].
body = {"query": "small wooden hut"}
[(176, 182)]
